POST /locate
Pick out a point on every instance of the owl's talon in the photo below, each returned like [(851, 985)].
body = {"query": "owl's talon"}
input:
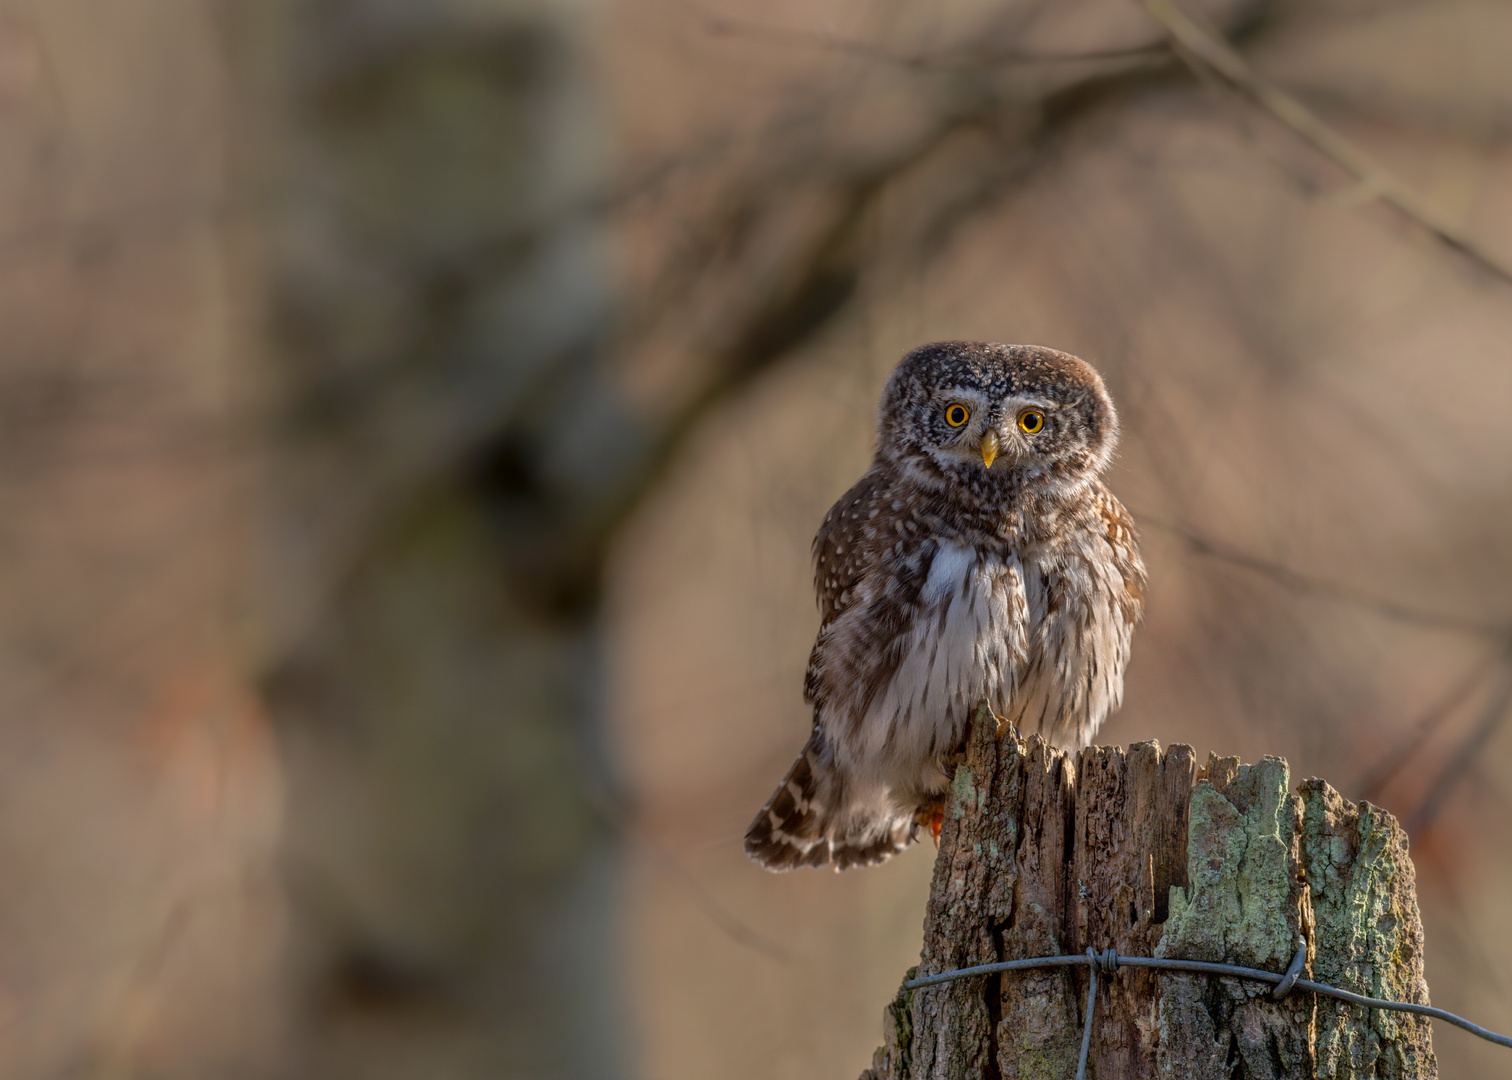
[(933, 817), (930, 816)]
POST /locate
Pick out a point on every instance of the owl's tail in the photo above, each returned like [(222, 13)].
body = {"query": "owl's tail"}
[(807, 821)]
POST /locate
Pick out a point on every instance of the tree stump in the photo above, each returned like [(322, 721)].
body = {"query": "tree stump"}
[(1142, 851)]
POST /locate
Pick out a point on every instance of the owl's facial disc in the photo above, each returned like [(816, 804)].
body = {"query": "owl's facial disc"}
[(961, 412)]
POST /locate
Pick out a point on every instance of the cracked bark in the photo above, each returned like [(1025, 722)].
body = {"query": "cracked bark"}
[(1144, 851)]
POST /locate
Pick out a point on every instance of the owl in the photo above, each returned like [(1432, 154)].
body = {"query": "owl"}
[(980, 559)]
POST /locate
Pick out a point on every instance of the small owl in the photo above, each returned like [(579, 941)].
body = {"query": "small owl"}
[(980, 559)]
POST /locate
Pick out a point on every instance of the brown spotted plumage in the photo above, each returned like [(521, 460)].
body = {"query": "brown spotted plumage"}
[(979, 559)]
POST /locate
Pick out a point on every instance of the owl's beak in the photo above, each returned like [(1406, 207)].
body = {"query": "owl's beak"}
[(989, 448)]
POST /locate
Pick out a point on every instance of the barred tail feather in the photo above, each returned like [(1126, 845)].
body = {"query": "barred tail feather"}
[(806, 821)]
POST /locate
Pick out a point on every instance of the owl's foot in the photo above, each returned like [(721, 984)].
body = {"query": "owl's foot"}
[(931, 815)]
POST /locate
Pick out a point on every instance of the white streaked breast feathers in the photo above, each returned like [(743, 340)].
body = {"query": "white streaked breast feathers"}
[(967, 643)]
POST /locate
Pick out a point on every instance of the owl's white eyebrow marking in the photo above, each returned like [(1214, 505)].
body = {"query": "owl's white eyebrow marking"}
[(1039, 403), (964, 395)]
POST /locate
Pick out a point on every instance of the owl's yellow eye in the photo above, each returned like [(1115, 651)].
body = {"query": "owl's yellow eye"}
[(957, 415), (1031, 421)]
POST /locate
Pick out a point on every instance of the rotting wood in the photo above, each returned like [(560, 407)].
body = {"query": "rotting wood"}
[(1143, 851)]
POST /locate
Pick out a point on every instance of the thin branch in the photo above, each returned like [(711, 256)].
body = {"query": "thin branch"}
[(1496, 713), (614, 815), (727, 921), (1374, 779), (822, 278), (725, 26), (1307, 584), (1198, 45), (791, 304)]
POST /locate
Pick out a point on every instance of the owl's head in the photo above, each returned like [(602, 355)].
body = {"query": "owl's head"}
[(971, 411)]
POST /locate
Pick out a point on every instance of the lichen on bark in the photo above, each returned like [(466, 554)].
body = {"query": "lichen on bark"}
[(1243, 905), (1365, 900)]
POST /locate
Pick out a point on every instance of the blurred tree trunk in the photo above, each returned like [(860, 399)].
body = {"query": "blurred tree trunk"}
[(1043, 856), (437, 429)]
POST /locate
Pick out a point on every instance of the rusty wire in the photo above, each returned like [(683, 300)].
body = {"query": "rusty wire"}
[(1108, 962)]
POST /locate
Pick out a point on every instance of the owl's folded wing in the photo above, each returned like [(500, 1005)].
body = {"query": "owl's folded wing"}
[(847, 541)]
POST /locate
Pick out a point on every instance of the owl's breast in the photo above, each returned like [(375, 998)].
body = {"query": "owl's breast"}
[(964, 642), (1082, 610)]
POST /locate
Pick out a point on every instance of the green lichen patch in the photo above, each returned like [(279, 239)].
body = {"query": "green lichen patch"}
[(1368, 938), (893, 1060), (1240, 903), (965, 795), (1202, 912), (1241, 906)]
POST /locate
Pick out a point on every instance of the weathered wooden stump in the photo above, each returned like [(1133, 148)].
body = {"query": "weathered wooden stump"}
[(1144, 852)]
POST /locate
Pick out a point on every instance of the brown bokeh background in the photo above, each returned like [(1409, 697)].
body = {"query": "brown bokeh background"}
[(414, 418)]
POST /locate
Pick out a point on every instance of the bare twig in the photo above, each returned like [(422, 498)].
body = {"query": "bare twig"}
[(826, 267), (984, 58), (1496, 712), (1299, 582), (727, 921), (617, 817), (1198, 45)]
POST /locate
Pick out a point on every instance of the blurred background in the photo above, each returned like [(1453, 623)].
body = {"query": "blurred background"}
[(414, 415)]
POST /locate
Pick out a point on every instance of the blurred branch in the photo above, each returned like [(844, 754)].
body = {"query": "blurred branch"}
[(773, 255), (800, 302), (1298, 582), (800, 299), (769, 259), (1469, 750), (614, 814), (1203, 50), (796, 302), (725, 26), (730, 924), (1374, 779)]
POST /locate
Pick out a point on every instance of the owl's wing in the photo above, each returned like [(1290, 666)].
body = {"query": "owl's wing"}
[(806, 821), (844, 549), (1123, 542), (842, 546)]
